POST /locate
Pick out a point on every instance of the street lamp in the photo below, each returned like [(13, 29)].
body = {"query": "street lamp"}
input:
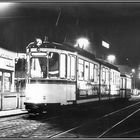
[(111, 58), (82, 42)]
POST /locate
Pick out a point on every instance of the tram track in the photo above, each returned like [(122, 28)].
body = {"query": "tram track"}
[(49, 127), (128, 132), (60, 134), (118, 123), (16, 125)]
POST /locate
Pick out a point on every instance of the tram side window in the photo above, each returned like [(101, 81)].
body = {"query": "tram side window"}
[(0, 80), (121, 83), (73, 67), (81, 69), (91, 72), (103, 75), (107, 76), (128, 83), (116, 78), (96, 73), (53, 65), (86, 71), (68, 66), (62, 66), (124, 81), (112, 77)]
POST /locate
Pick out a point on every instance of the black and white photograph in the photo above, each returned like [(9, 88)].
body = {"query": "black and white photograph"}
[(69, 69)]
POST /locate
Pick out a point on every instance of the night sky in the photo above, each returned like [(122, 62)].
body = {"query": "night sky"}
[(116, 23)]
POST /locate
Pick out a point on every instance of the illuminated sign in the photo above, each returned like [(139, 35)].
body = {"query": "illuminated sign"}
[(38, 54), (38, 49), (7, 59), (105, 44), (5, 56), (33, 49), (43, 49), (6, 64)]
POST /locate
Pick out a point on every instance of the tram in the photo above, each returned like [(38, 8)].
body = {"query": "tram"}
[(61, 75)]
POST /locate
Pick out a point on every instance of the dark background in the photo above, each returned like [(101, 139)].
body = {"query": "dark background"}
[(116, 23)]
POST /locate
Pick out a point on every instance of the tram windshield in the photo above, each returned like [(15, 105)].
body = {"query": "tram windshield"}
[(43, 67), (38, 67)]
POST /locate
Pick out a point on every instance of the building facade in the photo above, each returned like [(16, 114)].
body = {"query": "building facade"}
[(7, 70)]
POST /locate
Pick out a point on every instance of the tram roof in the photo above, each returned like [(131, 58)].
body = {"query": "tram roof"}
[(88, 55), (67, 47), (78, 50), (126, 75), (101, 61)]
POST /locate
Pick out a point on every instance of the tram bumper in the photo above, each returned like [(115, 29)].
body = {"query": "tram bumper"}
[(32, 107)]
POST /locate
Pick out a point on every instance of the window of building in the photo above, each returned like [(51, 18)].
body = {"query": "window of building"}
[(7, 81)]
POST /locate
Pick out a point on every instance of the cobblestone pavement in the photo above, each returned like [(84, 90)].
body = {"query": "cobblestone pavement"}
[(44, 126), (35, 127)]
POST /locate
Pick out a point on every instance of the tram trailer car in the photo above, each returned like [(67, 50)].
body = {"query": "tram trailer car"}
[(58, 75), (125, 85)]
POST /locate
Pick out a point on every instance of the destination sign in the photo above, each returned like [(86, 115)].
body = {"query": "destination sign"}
[(38, 54)]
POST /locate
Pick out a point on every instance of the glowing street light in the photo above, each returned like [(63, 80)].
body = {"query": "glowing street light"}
[(4, 5), (133, 70), (82, 42), (111, 58), (6, 8)]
